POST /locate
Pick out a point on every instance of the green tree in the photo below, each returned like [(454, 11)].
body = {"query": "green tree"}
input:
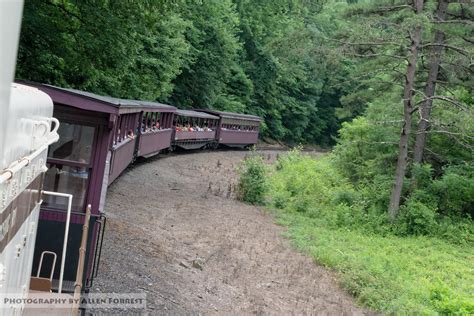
[(119, 48), (212, 77)]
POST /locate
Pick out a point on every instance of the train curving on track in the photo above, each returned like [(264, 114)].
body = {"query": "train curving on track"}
[(99, 137)]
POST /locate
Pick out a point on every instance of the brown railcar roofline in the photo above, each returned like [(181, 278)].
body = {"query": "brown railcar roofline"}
[(192, 113), (231, 115), (160, 107), (98, 103)]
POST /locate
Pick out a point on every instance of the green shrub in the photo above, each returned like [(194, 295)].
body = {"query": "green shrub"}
[(416, 218), (422, 175), (447, 302), (457, 230), (252, 185), (347, 197), (317, 189), (455, 190)]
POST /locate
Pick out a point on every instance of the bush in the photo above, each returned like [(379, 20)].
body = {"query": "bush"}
[(252, 183), (422, 264), (416, 218), (455, 191), (457, 230), (318, 189)]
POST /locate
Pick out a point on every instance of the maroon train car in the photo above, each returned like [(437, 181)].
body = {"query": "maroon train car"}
[(124, 136), (142, 129), (99, 138), (77, 166), (194, 130), (156, 128), (236, 130)]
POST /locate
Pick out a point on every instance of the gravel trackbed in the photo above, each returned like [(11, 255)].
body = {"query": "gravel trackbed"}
[(176, 232)]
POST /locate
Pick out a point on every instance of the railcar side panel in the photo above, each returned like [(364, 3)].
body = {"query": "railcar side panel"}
[(183, 135), (238, 137), (122, 156), (153, 142)]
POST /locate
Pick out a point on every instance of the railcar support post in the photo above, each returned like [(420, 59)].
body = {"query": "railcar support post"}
[(80, 266)]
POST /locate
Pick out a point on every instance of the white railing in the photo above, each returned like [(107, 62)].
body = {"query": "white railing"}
[(66, 233), (18, 165)]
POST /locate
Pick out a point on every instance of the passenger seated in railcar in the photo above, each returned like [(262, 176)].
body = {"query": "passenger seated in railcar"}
[(190, 126)]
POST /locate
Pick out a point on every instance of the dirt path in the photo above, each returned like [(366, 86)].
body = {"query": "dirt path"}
[(175, 232)]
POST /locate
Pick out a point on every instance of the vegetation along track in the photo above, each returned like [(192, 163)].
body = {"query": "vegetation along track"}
[(176, 232)]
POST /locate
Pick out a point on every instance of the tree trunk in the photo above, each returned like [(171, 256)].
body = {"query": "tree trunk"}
[(425, 111), (402, 161)]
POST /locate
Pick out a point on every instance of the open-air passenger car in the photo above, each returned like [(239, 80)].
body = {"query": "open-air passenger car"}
[(125, 131), (236, 130), (193, 130), (156, 128)]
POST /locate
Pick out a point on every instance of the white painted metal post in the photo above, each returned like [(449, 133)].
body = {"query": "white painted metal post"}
[(66, 233)]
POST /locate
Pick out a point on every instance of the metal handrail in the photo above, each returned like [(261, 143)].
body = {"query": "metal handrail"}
[(55, 256), (66, 233), (16, 166)]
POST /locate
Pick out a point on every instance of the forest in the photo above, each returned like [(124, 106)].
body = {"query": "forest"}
[(387, 85)]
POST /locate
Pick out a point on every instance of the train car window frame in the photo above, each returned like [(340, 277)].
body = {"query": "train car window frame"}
[(89, 166)]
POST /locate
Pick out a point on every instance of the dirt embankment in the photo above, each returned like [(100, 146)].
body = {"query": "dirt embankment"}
[(176, 232)]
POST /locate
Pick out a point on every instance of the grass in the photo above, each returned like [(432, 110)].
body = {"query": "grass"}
[(339, 226), (390, 274)]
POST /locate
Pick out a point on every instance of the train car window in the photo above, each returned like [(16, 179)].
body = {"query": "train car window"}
[(75, 143), (159, 120), (122, 130), (118, 130), (127, 125), (66, 179), (147, 119)]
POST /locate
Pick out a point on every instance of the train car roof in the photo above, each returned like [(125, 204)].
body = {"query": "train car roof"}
[(231, 115), (156, 105), (95, 102), (190, 113)]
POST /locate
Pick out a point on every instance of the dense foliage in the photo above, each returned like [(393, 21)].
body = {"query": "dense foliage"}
[(227, 55), (318, 189)]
